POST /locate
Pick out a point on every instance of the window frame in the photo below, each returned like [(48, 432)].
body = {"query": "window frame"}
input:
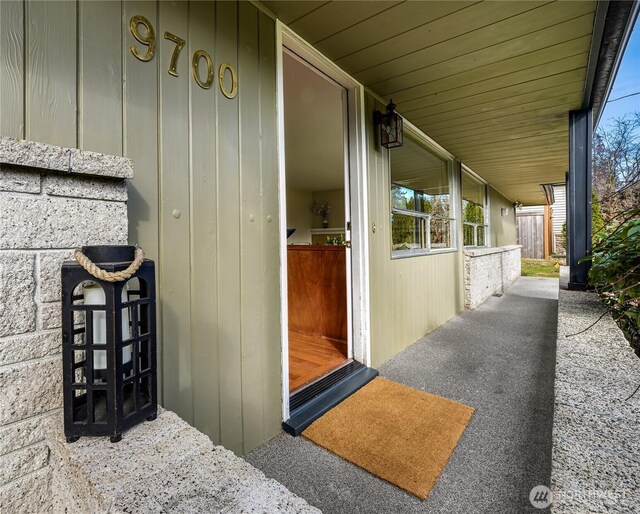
[(427, 144), (487, 212)]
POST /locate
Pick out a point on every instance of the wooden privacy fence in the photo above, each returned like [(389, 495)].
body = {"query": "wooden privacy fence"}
[(531, 235)]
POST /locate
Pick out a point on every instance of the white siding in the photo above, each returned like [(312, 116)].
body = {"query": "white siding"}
[(559, 208)]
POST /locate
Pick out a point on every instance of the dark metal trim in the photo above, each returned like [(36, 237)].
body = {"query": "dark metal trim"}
[(594, 51), (611, 34), (306, 414), (549, 195), (579, 197), (309, 392)]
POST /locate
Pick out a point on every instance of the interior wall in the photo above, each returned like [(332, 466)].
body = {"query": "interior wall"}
[(299, 215), (502, 228), (204, 200), (336, 201), (411, 296)]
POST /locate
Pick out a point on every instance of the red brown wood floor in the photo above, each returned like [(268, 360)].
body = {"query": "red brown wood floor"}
[(311, 357)]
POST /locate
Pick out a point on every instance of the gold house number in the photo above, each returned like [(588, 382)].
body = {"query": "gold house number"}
[(148, 39)]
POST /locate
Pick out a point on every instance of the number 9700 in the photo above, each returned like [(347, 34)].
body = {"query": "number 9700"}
[(148, 39)]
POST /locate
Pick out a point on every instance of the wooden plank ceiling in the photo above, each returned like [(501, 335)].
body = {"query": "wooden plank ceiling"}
[(490, 81)]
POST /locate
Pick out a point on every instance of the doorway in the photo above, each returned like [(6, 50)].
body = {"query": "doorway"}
[(318, 222), (340, 181)]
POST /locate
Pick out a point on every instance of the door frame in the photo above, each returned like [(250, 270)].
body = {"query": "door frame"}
[(360, 330)]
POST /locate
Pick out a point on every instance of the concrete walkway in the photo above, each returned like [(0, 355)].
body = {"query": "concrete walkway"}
[(500, 359)]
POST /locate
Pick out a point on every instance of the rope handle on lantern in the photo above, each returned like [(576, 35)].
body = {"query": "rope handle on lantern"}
[(109, 276)]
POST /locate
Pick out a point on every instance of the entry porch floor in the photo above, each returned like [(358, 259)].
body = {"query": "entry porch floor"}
[(499, 359)]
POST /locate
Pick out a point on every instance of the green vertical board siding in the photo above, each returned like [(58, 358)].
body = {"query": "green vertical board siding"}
[(100, 72), (174, 269), (204, 254), (501, 228), (411, 296), (251, 226), (195, 151), (261, 363), (12, 68), (228, 206), (50, 77), (140, 144), (271, 386)]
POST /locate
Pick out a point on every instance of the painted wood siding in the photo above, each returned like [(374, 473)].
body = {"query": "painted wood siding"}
[(68, 78), (409, 297), (558, 218), (502, 228), (559, 208)]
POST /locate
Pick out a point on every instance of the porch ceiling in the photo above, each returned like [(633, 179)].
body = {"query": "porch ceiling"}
[(492, 82)]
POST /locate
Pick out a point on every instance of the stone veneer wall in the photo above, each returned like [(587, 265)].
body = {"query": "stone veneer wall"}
[(52, 200), (489, 271)]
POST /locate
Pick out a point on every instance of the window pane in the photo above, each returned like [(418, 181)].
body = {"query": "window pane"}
[(415, 169), (472, 213), (467, 231), (405, 232), (481, 231), (402, 198), (440, 234), (473, 200)]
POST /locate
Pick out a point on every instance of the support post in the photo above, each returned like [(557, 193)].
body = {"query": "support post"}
[(579, 197)]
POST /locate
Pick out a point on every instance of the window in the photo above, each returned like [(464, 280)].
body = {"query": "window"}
[(421, 219), (475, 228)]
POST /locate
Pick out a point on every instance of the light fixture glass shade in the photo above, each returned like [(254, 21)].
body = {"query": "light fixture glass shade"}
[(391, 127)]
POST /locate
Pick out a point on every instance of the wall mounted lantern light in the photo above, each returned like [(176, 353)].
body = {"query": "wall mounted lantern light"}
[(391, 134), (108, 341)]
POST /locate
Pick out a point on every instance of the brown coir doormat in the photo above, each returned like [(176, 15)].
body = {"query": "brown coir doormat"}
[(399, 434)]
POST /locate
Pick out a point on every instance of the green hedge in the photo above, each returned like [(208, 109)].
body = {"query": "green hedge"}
[(615, 273)]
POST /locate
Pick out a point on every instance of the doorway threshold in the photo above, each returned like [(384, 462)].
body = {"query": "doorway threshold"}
[(313, 401)]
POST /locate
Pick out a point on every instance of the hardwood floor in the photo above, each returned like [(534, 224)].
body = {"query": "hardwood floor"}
[(311, 356)]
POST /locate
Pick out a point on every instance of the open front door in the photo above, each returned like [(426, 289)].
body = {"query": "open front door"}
[(318, 223), (319, 347)]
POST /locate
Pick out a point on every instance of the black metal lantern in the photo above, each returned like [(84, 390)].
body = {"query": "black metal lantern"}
[(108, 341), (391, 131)]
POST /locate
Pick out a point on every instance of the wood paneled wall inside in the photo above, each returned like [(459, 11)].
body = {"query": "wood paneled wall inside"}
[(411, 296), (204, 201), (317, 290)]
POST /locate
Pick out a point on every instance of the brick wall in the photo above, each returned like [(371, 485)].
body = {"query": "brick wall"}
[(52, 200), (488, 271)]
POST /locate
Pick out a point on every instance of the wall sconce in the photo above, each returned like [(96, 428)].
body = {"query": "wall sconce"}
[(391, 133), (108, 341), (517, 204)]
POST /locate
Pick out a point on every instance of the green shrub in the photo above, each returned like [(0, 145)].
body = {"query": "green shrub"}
[(597, 221), (615, 273)]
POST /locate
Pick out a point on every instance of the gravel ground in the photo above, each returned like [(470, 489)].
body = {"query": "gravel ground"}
[(596, 448)]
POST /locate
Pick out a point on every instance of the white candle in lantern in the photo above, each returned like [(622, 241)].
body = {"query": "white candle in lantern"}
[(94, 295), (126, 333)]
